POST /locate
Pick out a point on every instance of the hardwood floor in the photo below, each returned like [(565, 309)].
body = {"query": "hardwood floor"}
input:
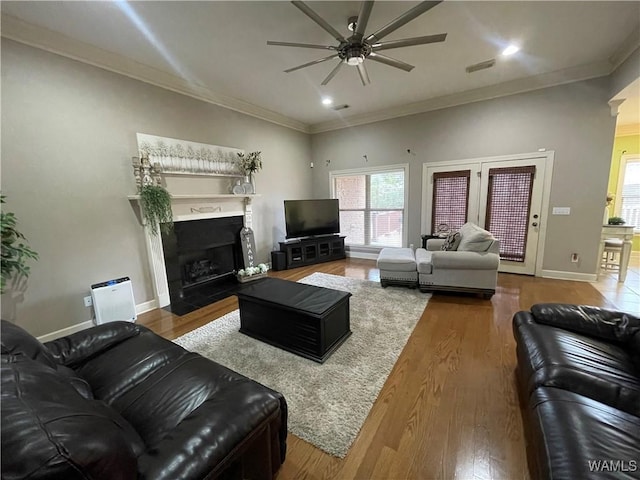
[(449, 408)]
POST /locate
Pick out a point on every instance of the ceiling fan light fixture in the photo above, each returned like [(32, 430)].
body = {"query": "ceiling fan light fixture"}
[(355, 56), (510, 50)]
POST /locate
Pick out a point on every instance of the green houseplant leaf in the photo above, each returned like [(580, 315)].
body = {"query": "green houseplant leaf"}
[(616, 221), (15, 250), (155, 202)]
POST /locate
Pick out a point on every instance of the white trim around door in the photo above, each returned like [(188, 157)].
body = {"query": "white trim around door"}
[(544, 160)]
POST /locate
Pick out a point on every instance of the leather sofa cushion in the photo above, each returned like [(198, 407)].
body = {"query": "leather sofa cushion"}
[(191, 413), (15, 340), (574, 435), (596, 322), (53, 432), (598, 369)]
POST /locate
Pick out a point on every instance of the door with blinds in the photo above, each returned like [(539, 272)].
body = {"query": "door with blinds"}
[(510, 208), (502, 196)]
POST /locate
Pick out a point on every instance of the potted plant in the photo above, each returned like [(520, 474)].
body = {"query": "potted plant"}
[(15, 251), (616, 221), (250, 164), (155, 202), (252, 273)]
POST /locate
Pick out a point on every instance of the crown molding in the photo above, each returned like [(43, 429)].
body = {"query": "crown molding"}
[(627, 130), (59, 44), (48, 40), (522, 85), (630, 44)]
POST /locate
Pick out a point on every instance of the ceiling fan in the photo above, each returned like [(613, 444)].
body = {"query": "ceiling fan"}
[(357, 48)]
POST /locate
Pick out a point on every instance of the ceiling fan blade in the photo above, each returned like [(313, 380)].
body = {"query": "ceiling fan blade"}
[(406, 17), (319, 20), (407, 42), (302, 45), (320, 60), (392, 62), (363, 17), (333, 73), (364, 76)]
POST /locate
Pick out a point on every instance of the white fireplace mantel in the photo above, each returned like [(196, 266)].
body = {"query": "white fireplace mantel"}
[(191, 207)]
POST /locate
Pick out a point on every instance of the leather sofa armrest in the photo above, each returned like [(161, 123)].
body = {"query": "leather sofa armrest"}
[(78, 347), (457, 260), (591, 321)]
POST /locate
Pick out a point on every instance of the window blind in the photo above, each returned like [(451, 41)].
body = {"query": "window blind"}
[(508, 206), (450, 199)]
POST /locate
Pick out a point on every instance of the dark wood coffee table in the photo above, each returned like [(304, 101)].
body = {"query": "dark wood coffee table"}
[(303, 319)]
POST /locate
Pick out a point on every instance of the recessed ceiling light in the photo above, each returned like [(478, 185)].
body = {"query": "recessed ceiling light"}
[(327, 101), (510, 50)]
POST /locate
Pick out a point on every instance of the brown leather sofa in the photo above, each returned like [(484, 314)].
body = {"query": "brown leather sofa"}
[(120, 402), (579, 381)]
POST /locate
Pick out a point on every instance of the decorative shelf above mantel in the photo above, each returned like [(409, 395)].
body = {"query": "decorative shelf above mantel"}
[(203, 196)]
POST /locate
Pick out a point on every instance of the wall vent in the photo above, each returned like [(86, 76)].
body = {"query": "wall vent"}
[(340, 107), (481, 66)]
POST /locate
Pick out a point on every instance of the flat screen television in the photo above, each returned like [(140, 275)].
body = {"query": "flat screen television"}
[(308, 218)]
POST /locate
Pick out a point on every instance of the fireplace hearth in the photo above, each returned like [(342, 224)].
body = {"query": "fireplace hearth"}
[(201, 257)]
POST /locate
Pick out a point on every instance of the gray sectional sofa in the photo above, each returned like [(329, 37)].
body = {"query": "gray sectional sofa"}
[(470, 265)]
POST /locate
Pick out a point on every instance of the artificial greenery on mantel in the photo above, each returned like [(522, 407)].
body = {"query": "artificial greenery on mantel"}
[(155, 202)]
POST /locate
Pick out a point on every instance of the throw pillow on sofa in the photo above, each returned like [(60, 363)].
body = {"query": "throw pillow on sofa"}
[(452, 242), (474, 238)]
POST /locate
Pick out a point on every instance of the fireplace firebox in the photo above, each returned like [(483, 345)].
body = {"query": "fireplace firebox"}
[(201, 257)]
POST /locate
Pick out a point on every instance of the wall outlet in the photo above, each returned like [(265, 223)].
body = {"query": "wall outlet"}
[(575, 257), (561, 211), (88, 301), (411, 246)]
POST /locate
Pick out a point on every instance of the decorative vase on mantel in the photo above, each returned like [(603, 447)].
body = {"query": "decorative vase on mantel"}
[(249, 185)]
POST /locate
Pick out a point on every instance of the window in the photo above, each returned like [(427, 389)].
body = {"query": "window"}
[(628, 203), (450, 199), (372, 206)]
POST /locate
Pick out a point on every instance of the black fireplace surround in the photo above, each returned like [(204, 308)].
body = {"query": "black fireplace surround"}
[(200, 258)]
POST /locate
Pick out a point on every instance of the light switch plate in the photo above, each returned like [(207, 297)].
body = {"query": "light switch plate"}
[(561, 210)]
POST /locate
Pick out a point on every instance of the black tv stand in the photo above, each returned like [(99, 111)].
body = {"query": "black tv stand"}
[(309, 250)]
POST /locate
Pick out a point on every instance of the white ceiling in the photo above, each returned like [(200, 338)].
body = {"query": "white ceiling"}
[(220, 47)]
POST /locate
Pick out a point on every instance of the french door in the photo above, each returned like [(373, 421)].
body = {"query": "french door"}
[(503, 195)]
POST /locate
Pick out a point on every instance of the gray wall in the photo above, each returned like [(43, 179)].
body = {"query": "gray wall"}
[(574, 120), (626, 73), (68, 135)]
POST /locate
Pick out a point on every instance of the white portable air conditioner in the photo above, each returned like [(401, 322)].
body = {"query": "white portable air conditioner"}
[(113, 300)]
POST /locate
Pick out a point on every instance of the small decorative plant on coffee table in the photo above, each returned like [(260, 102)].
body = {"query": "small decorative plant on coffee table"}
[(252, 273)]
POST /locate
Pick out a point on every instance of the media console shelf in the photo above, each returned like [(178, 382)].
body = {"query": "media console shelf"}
[(308, 251)]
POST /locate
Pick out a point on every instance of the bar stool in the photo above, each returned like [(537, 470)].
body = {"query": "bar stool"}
[(611, 254)]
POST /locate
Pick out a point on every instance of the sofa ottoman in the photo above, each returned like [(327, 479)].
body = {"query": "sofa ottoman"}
[(397, 267)]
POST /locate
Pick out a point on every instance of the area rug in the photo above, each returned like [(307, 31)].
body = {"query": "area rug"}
[(328, 403)]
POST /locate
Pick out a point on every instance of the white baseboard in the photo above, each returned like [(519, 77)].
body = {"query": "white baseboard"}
[(576, 277), (363, 255), (63, 332), (146, 306)]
